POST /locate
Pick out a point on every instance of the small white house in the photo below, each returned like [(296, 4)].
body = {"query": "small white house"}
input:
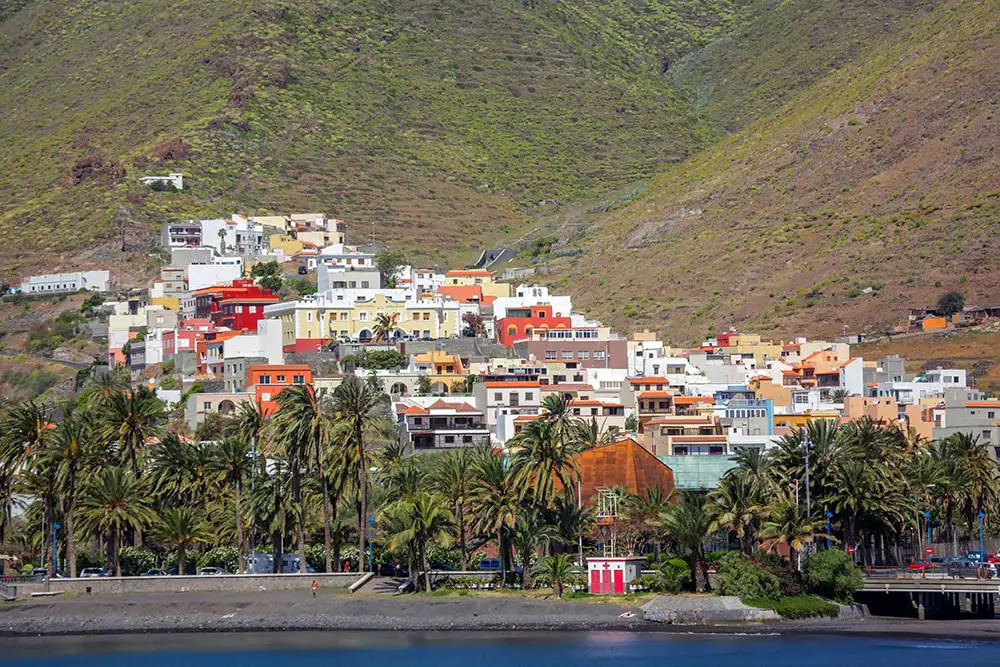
[(175, 180), (50, 283), (613, 576)]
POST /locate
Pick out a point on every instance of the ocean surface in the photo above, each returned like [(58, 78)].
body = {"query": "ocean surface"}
[(598, 649)]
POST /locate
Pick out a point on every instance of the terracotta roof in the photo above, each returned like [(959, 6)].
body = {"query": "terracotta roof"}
[(526, 418), (688, 400), (982, 404), (462, 293), (412, 410), (514, 384), (656, 394), (441, 404), (653, 379)]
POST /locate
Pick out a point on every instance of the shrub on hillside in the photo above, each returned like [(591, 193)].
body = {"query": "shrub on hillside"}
[(744, 578), (798, 606), (789, 578), (670, 576), (832, 573)]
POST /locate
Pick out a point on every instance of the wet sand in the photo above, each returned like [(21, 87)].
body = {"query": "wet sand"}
[(298, 611)]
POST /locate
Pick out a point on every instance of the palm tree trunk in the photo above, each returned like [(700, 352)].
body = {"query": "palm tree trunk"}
[(276, 551), (326, 522), (460, 515), (68, 535), (300, 531), (181, 556), (363, 493), (423, 564), (699, 575), (526, 570), (115, 561), (503, 558), (242, 565)]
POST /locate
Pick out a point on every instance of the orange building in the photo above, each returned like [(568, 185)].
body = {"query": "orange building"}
[(622, 464), (269, 380)]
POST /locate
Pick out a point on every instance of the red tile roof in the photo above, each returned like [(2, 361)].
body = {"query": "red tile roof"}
[(656, 394), (653, 379), (514, 384)]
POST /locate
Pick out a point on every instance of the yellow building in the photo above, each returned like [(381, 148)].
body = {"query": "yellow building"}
[(309, 323), (752, 344), (169, 302), (286, 244), (481, 278), (800, 420)]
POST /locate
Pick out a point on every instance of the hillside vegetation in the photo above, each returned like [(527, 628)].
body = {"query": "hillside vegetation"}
[(450, 121), (871, 190)]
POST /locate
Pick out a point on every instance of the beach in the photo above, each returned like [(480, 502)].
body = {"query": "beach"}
[(276, 611)]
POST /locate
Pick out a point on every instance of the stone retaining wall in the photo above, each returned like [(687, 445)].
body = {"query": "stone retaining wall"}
[(225, 582)]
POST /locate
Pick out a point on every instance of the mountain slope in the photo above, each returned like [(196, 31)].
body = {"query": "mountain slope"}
[(445, 121), (883, 174)]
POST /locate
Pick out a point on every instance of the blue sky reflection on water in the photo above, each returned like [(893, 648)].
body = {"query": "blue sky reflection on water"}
[(466, 650)]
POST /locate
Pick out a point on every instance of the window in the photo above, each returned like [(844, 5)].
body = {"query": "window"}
[(427, 316), (364, 284), (550, 355), (599, 354), (529, 396), (265, 379), (989, 415), (449, 439), (363, 316), (427, 333), (567, 354), (467, 439), (498, 396), (239, 309), (680, 450), (279, 378), (353, 284), (207, 405), (986, 434), (582, 355), (309, 317)]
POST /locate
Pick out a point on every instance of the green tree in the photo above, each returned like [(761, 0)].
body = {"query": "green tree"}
[(384, 326), (453, 477), (950, 303), (75, 448), (530, 532), (114, 501), (558, 570), (832, 573), (181, 527), (545, 461), (423, 519), (688, 523), (130, 418), (495, 502), (788, 523), (230, 465), (389, 263)]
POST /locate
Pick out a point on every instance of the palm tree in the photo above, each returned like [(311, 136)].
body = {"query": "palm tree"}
[(113, 502), (74, 449), (739, 502), (557, 569), (299, 429), (178, 470), (181, 527), (354, 402), (230, 465), (787, 523), (643, 512), (424, 518), (495, 503), (131, 418), (545, 462), (572, 522), (530, 532), (385, 324), (688, 523), (453, 477), (25, 432), (588, 434)]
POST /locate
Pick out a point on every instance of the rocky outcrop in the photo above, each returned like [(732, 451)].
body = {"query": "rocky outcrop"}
[(704, 610)]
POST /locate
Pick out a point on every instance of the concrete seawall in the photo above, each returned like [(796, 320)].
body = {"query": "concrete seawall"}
[(225, 582)]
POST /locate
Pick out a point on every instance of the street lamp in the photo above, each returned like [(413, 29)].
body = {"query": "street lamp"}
[(55, 564), (927, 518), (371, 534)]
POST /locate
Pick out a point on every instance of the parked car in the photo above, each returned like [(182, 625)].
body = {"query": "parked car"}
[(393, 570), (964, 569), (303, 270), (919, 565), (39, 572), (490, 565), (290, 564), (89, 572), (443, 567), (212, 571), (153, 573)]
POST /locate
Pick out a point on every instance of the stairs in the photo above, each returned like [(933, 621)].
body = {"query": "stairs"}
[(8, 593), (382, 586)]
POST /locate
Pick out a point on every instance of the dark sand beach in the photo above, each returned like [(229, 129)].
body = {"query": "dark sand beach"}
[(298, 610)]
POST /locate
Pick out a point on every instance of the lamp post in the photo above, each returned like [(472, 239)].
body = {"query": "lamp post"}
[(55, 563), (807, 444), (371, 534), (927, 518), (829, 515), (253, 489)]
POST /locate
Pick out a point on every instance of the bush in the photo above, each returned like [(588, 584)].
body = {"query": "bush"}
[(87, 559), (832, 573), (190, 563), (134, 561), (797, 606), (789, 578), (744, 578), (316, 557), (228, 558)]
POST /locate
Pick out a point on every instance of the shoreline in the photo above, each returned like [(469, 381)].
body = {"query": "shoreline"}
[(284, 612)]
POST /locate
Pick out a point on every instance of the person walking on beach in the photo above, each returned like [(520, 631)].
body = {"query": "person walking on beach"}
[(314, 587)]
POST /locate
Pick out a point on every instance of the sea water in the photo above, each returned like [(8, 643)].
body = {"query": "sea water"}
[(595, 649)]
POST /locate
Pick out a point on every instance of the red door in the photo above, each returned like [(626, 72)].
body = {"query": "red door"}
[(619, 582), (606, 581), (595, 581)]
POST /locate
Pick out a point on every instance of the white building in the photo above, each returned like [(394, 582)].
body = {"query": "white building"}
[(533, 295), (207, 275), (932, 383), (49, 283)]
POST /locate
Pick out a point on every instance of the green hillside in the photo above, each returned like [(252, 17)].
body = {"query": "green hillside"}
[(871, 190), (450, 121)]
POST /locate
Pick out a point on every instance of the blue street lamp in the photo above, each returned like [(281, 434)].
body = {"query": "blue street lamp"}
[(927, 517), (371, 534), (829, 515), (982, 553), (55, 564)]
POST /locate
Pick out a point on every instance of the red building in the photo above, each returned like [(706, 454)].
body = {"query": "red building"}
[(186, 337), (267, 381), (521, 322), (237, 306)]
